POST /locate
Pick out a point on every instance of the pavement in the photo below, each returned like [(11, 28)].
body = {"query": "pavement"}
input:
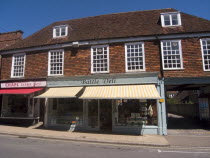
[(146, 140), (187, 132)]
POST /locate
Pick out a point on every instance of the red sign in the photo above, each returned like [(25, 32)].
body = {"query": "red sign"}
[(24, 84)]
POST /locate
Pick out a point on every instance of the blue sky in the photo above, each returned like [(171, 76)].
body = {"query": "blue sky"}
[(32, 15)]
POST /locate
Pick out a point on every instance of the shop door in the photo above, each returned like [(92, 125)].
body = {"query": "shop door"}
[(106, 115), (93, 114)]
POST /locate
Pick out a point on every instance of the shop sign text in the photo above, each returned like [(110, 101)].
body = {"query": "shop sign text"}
[(98, 81), (24, 84)]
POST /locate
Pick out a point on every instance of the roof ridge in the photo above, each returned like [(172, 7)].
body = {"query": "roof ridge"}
[(114, 14), (11, 32)]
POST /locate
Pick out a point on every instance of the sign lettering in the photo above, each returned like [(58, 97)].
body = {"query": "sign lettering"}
[(24, 84), (98, 81)]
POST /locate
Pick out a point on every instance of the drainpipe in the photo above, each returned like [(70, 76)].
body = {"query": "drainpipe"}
[(160, 55), (162, 108)]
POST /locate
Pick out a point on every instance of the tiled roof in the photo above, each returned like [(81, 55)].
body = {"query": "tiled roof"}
[(119, 25)]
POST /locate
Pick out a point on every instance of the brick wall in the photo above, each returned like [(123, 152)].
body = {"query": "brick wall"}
[(77, 61), (9, 38)]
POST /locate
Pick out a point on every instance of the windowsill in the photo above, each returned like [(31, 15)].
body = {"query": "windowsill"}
[(17, 77), (55, 76), (172, 26), (174, 69), (93, 73), (59, 37), (135, 71)]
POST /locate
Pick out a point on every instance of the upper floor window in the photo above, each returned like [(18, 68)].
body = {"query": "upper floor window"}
[(134, 57), (170, 19), (100, 59), (171, 54), (60, 31), (205, 47), (18, 65), (55, 62)]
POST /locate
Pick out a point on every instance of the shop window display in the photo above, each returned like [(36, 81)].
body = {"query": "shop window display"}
[(66, 111), (17, 106), (135, 112)]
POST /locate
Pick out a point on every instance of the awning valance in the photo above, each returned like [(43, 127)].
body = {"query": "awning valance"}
[(63, 92), (19, 91), (121, 92)]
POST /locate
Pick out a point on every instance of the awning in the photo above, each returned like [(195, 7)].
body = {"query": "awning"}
[(121, 92), (19, 91), (64, 92)]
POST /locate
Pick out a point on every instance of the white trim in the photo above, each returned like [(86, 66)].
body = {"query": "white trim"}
[(59, 27), (99, 46), (170, 16), (106, 41), (49, 55), (202, 54), (180, 53), (12, 68), (143, 52)]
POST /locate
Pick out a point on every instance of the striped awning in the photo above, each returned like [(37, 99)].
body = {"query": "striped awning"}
[(63, 92), (121, 92)]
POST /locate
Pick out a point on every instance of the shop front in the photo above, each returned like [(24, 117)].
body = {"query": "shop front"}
[(120, 103), (18, 105)]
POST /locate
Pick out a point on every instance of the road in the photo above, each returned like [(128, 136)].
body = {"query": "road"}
[(16, 147)]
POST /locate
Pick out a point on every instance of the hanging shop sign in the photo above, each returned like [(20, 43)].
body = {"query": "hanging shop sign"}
[(24, 84)]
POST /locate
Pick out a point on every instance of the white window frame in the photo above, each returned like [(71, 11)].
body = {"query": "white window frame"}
[(49, 63), (143, 52), (59, 27), (202, 52), (100, 46), (170, 16), (13, 60), (180, 51)]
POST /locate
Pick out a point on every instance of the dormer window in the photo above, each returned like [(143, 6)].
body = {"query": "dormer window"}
[(60, 31), (170, 19)]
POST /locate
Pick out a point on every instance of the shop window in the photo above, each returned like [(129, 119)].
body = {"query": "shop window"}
[(136, 112), (205, 45), (17, 106), (171, 55), (56, 62), (60, 31), (66, 111), (18, 65), (100, 59), (134, 53), (170, 19), (54, 107)]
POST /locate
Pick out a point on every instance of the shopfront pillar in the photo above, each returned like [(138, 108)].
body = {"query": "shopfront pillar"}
[(46, 112), (162, 125)]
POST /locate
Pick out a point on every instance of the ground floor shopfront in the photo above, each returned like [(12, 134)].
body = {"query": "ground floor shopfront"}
[(18, 105), (200, 86), (122, 103)]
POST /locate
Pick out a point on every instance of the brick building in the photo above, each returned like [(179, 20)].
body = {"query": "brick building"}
[(106, 72)]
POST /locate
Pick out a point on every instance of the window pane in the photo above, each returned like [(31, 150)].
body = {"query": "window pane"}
[(136, 56), (60, 31), (63, 31), (100, 56), (18, 65), (56, 62), (174, 19), (172, 56), (206, 54)]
